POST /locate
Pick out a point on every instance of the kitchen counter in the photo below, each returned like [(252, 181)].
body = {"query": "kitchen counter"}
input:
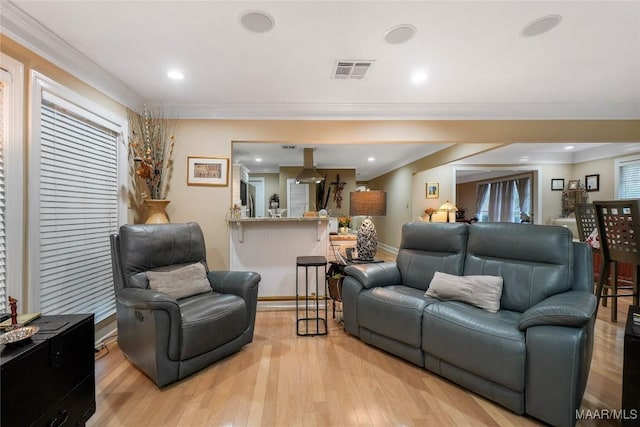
[(269, 246), (284, 219)]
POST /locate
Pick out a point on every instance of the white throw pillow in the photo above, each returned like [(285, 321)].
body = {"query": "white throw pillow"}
[(180, 282), (481, 291)]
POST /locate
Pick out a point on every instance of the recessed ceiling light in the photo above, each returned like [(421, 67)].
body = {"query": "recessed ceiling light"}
[(371, 159), (258, 159), (257, 21), (524, 159), (399, 33), (569, 147), (418, 77), (175, 74), (541, 25)]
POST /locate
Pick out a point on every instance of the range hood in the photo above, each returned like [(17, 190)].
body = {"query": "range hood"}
[(308, 175)]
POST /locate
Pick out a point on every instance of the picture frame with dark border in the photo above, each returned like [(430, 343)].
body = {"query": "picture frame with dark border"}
[(592, 182), (208, 171), (433, 190), (557, 184)]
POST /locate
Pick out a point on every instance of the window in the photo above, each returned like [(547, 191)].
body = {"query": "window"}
[(78, 207), (628, 177), (504, 201)]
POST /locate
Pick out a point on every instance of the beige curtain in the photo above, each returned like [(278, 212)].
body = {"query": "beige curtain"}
[(501, 201), (523, 186), (481, 196)]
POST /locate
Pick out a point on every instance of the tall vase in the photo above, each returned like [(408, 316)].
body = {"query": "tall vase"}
[(156, 211)]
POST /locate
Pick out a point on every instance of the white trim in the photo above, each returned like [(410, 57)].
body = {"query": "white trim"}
[(14, 170), (43, 87), (388, 248), (401, 111), (22, 28), (617, 163)]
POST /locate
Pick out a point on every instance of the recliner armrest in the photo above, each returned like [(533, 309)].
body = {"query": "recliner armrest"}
[(241, 283), (147, 299), (573, 308), (374, 275)]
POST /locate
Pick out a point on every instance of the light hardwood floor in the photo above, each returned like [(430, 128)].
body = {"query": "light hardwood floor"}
[(336, 380)]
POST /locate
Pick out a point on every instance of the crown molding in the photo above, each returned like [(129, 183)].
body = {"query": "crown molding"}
[(22, 28), (403, 111)]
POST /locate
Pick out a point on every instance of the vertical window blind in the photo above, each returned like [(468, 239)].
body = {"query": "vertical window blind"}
[(78, 212), (3, 282), (629, 175)]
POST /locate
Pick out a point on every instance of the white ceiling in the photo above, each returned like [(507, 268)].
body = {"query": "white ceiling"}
[(479, 64)]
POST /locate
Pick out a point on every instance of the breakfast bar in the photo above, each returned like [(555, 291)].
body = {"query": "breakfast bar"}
[(270, 246)]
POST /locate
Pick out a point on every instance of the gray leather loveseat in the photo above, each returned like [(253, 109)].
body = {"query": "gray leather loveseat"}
[(531, 356)]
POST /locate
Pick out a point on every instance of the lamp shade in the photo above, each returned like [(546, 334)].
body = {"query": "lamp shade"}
[(448, 206), (369, 203)]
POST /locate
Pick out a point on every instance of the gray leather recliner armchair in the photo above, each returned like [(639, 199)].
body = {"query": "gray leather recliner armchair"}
[(167, 338)]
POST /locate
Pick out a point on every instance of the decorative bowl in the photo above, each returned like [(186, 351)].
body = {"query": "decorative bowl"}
[(18, 334)]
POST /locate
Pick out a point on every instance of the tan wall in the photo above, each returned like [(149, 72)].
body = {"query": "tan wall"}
[(603, 167), (466, 198)]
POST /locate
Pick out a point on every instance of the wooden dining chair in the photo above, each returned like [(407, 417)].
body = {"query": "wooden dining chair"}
[(586, 223), (618, 224)]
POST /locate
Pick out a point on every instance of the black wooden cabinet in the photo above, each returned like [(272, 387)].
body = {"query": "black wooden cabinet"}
[(50, 379), (631, 371)]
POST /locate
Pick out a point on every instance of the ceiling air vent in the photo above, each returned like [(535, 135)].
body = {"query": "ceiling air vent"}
[(288, 147), (352, 69)]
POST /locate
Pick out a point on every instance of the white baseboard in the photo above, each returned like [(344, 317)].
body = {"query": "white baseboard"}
[(388, 248)]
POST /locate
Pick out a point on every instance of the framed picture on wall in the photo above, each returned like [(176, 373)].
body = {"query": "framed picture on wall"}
[(592, 182), (210, 171), (433, 190), (574, 184), (557, 184)]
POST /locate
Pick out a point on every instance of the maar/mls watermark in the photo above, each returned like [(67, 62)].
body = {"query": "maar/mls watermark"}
[(607, 414)]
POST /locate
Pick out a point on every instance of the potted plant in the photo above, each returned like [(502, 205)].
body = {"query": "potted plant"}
[(344, 222), (429, 212), (151, 145)]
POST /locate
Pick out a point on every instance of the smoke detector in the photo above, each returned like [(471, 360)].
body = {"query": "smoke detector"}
[(350, 69)]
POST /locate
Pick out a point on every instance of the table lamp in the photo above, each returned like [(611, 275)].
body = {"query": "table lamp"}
[(367, 203), (448, 207)]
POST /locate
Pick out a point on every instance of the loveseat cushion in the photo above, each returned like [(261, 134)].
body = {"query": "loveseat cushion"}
[(209, 321), (535, 261), (485, 344), (394, 312), (419, 258)]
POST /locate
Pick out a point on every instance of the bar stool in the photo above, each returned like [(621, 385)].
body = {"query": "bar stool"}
[(320, 322), (619, 230)]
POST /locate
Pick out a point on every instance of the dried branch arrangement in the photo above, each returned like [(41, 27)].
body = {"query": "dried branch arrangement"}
[(151, 144)]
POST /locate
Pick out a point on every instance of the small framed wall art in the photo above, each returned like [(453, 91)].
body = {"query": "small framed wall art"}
[(210, 171), (574, 184), (592, 182), (433, 190), (557, 184)]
